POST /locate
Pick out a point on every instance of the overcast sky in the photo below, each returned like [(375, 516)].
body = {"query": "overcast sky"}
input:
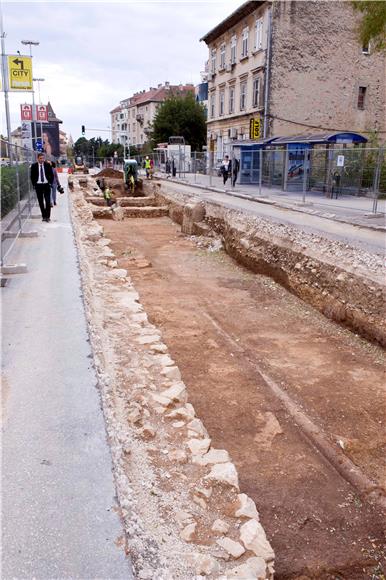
[(94, 54)]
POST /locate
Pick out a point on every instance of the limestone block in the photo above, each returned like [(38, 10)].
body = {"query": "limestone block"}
[(183, 518), (220, 526), (176, 392), (246, 507), (178, 455), (252, 569), (253, 537), (172, 373), (197, 426), (213, 456), (181, 413), (206, 565), (233, 548), (198, 446), (224, 473)]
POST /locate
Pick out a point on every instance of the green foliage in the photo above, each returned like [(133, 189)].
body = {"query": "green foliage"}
[(9, 195), (99, 148), (180, 115), (372, 27)]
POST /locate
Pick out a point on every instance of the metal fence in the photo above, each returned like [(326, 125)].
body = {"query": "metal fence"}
[(17, 194)]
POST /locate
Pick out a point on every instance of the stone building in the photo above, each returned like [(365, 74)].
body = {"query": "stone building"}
[(281, 68), (131, 120)]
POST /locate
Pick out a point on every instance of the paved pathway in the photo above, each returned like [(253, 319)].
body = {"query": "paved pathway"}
[(59, 517)]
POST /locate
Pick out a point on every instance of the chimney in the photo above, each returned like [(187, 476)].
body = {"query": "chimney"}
[(167, 85)]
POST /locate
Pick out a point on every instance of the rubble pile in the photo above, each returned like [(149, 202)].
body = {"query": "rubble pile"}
[(183, 511), (110, 172)]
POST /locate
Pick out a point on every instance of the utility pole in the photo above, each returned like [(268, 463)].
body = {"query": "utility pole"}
[(5, 87), (32, 43)]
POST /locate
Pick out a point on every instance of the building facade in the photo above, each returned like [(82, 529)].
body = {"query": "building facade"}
[(131, 121), (276, 69)]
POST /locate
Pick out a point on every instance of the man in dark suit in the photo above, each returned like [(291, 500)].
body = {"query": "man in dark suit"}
[(42, 177)]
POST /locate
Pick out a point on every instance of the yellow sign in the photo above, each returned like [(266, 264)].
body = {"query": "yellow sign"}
[(20, 73), (254, 129)]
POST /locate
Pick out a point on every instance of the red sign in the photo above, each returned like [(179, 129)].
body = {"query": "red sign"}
[(41, 113), (26, 112)]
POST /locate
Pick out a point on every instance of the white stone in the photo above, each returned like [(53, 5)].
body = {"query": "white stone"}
[(183, 518), (206, 565), (148, 339), (178, 424), (247, 507), (165, 401), (197, 426), (252, 569), (178, 455), (119, 273), (220, 526), (171, 373), (233, 548), (180, 413), (198, 446), (188, 532), (213, 456), (177, 392), (253, 536), (224, 473)]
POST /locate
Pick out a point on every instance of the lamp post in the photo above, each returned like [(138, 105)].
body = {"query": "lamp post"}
[(40, 102), (32, 43)]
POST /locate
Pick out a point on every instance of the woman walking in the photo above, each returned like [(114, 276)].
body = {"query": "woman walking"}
[(55, 184)]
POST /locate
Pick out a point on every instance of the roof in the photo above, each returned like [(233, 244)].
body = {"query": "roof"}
[(346, 137), (52, 118), (242, 12), (159, 94), (116, 110)]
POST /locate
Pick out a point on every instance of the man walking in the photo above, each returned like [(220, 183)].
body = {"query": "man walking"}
[(42, 177)]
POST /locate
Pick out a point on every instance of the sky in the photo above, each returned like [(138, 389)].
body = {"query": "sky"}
[(93, 54)]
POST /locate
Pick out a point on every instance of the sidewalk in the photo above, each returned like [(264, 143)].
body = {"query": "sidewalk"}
[(346, 209), (59, 513)]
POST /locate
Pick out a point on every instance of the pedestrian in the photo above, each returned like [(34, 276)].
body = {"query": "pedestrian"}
[(167, 168), (226, 168), (151, 168), (235, 170), (107, 196), (147, 167), (55, 184), (174, 168), (42, 177)]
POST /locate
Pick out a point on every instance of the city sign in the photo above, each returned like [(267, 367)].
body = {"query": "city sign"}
[(19, 73), (254, 128), (41, 113), (26, 112)]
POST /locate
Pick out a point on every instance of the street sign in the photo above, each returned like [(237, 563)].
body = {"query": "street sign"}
[(41, 113), (39, 145), (254, 129), (26, 112), (340, 161), (20, 72)]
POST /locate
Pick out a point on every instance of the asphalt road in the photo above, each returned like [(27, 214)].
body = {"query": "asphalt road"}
[(59, 517), (370, 240)]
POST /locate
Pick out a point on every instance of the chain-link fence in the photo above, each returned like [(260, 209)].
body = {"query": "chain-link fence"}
[(17, 194)]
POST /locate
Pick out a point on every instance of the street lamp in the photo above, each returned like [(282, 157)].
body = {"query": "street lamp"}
[(40, 101), (32, 43)]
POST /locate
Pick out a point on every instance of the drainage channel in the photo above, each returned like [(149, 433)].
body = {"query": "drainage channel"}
[(318, 521)]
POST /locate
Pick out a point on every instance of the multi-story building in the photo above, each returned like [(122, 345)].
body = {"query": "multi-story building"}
[(131, 120), (291, 67)]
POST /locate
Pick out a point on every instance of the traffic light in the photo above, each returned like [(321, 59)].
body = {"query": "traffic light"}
[(83, 130)]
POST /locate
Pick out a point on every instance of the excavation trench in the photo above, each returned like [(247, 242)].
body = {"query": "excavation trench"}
[(233, 332)]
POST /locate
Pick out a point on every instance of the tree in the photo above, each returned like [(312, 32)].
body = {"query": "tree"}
[(372, 27), (180, 115)]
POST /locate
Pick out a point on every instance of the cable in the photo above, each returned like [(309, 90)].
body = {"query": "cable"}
[(318, 127)]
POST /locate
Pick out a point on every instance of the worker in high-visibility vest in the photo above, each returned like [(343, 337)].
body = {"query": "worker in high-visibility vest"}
[(147, 166)]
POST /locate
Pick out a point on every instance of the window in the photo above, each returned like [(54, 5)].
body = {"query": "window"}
[(212, 105), (213, 61), (231, 99), (259, 34), (221, 102), (256, 92), (222, 56), (361, 97), (244, 50), (243, 95), (233, 49)]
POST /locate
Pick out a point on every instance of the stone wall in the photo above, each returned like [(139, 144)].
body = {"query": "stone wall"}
[(317, 68)]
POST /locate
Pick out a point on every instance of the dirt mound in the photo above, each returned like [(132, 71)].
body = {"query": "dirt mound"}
[(109, 172)]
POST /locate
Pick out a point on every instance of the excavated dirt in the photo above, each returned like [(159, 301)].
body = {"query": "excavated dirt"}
[(109, 172), (220, 320)]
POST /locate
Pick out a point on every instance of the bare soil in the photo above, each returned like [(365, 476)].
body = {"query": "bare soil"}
[(110, 172), (204, 303)]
